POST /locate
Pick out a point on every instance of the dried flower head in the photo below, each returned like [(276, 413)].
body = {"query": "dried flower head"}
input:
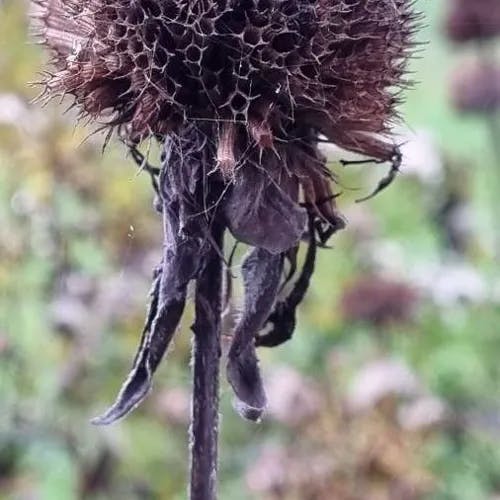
[(475, 88), (473, 20), (239, 93), (261, 65), (378, 301)]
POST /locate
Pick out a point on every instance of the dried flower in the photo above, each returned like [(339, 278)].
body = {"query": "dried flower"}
[(238, 92), (475, 88), (378, 301), (476, 20)]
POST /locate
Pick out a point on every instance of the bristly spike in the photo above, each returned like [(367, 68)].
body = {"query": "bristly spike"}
[(226, 159)]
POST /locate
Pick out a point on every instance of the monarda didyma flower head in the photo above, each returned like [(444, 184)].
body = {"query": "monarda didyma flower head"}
[(473, 20), (475, 88), (240, 93)]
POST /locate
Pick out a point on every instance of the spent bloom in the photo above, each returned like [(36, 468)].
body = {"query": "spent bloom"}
[(239, 93), (473, 20), (378, 301), (475, 87)]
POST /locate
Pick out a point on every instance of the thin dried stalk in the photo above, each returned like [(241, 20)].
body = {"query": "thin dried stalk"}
[(206, 357)]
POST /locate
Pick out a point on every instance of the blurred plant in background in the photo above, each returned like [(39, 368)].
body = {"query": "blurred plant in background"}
[(391, 388), (475, 85)]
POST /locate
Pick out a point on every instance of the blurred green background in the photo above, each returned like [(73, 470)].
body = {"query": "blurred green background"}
[(390, 388)]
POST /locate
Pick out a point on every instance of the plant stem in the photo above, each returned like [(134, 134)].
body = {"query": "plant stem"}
[(206, 357)]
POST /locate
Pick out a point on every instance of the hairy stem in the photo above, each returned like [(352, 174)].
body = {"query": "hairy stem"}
[(206, 356)]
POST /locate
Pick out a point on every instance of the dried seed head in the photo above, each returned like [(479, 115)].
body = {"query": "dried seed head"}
[(146, 66), (241, 89), (475, 88), (378, 301), (473, 20)]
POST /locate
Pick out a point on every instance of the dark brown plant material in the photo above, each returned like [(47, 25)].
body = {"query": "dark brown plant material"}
[(469, 20), (378, 301), (239, 93)]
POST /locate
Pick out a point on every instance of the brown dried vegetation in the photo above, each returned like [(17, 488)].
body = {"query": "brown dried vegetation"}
[(148, 66)]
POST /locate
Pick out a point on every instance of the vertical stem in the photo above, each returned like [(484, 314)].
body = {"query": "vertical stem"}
[(206, 356)]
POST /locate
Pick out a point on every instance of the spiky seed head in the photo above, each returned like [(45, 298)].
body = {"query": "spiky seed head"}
[(147, 66)]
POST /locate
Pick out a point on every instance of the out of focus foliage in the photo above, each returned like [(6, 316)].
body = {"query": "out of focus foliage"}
[(390, 388)]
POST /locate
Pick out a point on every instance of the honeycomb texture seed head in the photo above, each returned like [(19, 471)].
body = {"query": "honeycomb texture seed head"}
[(148, 66)]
